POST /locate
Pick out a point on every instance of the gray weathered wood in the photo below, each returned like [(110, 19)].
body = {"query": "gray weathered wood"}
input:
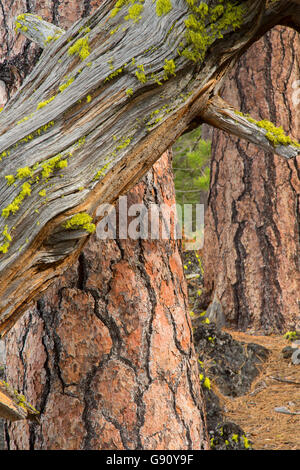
[(37, 30), (219, 114), (109, 110)]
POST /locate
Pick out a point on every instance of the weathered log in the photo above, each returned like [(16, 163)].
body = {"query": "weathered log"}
[(106, 99)]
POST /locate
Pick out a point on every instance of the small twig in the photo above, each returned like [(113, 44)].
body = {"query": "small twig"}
[(284, 380)]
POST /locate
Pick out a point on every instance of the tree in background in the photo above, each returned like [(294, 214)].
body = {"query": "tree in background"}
[(251, 245)]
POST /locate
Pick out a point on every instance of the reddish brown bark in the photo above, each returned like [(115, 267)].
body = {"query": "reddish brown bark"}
[(106, 354), (251, 252)]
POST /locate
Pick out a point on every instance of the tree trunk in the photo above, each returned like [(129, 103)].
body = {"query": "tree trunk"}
[(105, 100), (251, 249), (107, 339)]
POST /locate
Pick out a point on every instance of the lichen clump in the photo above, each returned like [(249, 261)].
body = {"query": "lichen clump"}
[(163, 7), (7, 239), (81, 47), (44, 103), (134, 10), (81, 221), (14, 206), (275, 135), (169, 68), (49, 39), (140, 74), (205, 25)]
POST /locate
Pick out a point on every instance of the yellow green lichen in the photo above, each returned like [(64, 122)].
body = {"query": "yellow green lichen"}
[(62, 164), (14, 206), (20, 398), (113, 31), (7, 237), (4, 154), (52, 38), (199, 35), (290, 335), (42, 193), (10, 179), (140, 74), (114, 74), (156, 79), (117, 8), (30, 136), (49, 166), (246, 442), (44, 103), (25, 172), (101, 172), (123, 143), (81, 47), (275, 135), (135, 9), (25, 118), (152, 122), (169, 68), (163, 7), (129, 92), (79, 143), (81, 221), (134, 12), (206, 381), (66, 85), (21, 27)]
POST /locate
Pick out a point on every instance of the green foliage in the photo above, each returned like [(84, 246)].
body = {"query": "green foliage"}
[(191, 167)]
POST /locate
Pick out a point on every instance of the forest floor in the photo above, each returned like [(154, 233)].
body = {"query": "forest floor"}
[(255, 412)]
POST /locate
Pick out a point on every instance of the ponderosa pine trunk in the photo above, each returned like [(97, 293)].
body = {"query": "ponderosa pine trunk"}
[(106, 354), (252, 242)]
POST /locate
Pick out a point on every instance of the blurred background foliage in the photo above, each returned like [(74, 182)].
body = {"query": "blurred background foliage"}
[(191, 166)]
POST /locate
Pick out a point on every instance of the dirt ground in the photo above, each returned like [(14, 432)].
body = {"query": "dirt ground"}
[(254, 412)]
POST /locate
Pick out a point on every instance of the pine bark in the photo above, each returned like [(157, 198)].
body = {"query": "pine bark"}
[(106, 354), (251, 250)]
